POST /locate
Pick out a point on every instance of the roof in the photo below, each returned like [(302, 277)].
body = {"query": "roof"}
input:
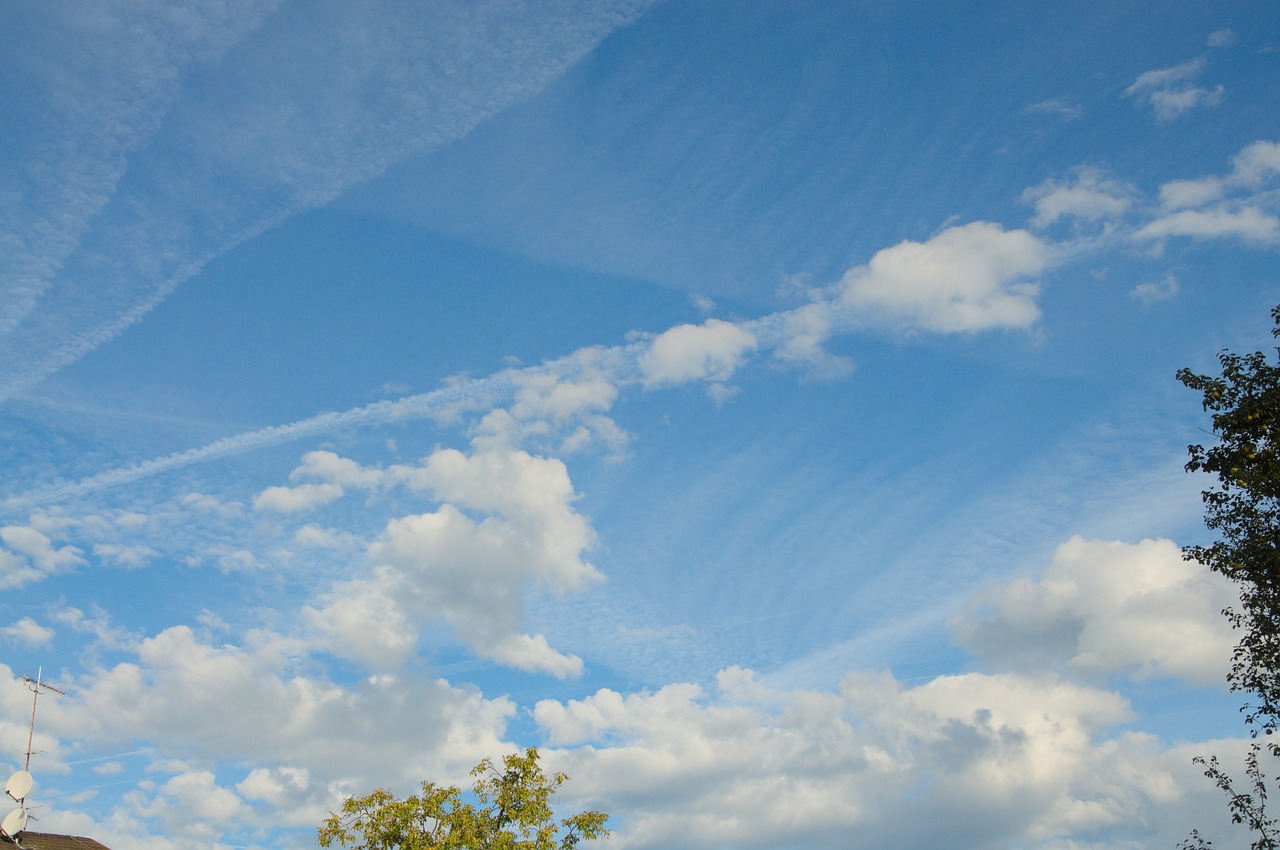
[(48, 841)]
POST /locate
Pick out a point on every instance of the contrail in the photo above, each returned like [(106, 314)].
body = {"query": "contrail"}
[(624, 369), (411, 407), (489, 390), (70, 290)]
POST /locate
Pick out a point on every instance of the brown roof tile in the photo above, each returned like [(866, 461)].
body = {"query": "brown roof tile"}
[(47, 841)]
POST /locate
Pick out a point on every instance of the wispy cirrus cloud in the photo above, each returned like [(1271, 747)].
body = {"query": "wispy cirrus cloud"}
[(122, 71), (1170, 93), (225, 159), (965, 279)]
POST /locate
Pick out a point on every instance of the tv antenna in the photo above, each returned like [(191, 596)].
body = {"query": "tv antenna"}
[(37, 687)]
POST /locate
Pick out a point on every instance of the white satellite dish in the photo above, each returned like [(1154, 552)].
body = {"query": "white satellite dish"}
[(14, 822), (19, 785)]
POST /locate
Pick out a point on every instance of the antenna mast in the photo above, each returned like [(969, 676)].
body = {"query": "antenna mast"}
[(37, 687)]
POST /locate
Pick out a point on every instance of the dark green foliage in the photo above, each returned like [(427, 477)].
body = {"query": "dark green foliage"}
[(1244, 510), (513, 813)]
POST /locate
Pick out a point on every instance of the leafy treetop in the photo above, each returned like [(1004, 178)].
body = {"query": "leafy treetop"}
[(1244, 509), (512, 812)]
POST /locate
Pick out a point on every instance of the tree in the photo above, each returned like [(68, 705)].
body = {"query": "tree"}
[(512, 812), (1244, 510)]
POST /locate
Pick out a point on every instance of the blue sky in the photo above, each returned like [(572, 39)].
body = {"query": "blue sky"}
[(765, 409)]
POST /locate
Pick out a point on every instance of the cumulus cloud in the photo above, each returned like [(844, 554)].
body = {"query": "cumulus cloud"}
[(711, 351), (28, 632), (334, 469), (29, 555), (1255, 164), (1088, 196), (364, 619), (564, 407), (308, 741), (967, 278), (290, 500), (471, 573), (963, 762), (1108, 607), (181, 694), (589, 388), (1169, 92), (190, 805)]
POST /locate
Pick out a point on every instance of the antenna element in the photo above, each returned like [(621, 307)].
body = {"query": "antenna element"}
[(37, 687)]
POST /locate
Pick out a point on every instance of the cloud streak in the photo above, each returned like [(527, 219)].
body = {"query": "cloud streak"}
[(965, 279), (233, 159)]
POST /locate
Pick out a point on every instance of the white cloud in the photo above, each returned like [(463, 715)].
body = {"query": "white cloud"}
[(1248, 224), (213, 505), (334, 469), (469, 573), (804, 332), (1108, 607), (1170, 103), (473, 575), (563, 407), (1057, 106), (31, 555), (1170, 94), (1255, 164), (303, 497), (967, 278), (364, 619), (1251, 168), (1178, 194), (182, 695), (308, 741), (1164, 77), (711, 351), (315, 537), (532, 652), (1089, 196), (1152, 292), (962, 762), (1231, 205), (194, 794), (124, 556), (1222, 38), (271, 785), (16, 571), (591, 389), (97, 624), (28, 633)]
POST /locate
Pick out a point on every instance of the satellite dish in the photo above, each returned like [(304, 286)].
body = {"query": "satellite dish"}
[(19, 785), (14, 822)]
